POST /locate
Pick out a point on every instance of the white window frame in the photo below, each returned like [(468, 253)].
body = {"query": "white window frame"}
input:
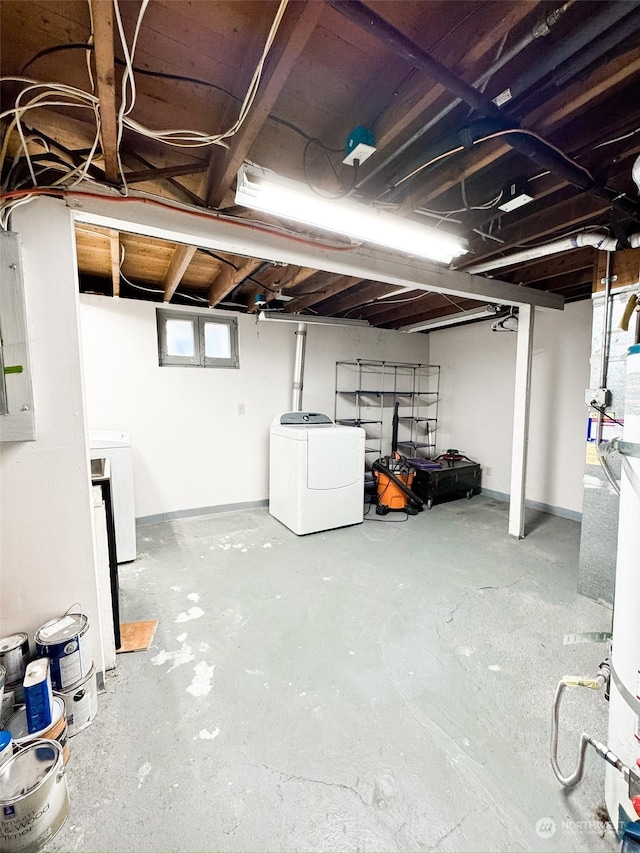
[(199, 358)]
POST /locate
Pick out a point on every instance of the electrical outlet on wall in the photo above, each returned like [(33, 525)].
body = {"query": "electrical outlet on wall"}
[(241, 408), (487, 471)]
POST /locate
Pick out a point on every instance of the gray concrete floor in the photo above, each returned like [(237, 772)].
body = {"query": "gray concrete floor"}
[(381, 687)]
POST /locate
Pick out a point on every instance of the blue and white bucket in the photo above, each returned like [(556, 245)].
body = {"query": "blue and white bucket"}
[(65, 641), (6, 746)]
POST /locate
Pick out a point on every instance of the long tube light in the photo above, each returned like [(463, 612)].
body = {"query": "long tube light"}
[(277, 317), (271, 193), (453, 319)]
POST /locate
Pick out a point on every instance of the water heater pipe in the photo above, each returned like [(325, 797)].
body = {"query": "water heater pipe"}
[(624, 705)]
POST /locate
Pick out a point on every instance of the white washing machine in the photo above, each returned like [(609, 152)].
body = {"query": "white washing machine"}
[(316, 472), (116, 446)]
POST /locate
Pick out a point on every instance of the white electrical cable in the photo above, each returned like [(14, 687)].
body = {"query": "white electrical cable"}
[(51, 94)]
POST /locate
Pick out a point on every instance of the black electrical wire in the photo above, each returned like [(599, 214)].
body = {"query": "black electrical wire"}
[(219, 258), (601, 410), (162, 75), (326, 151)]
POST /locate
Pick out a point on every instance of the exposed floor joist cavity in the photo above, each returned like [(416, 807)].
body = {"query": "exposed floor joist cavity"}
[(180, 225)]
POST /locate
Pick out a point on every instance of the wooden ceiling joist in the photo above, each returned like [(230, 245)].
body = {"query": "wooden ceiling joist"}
[(574, 211), (439, 310), (415, 99), (333, 286), (552, 114), (299, 22), (551, 267), (289, 283), (114, 257), (102, 12), (355, 297), (152, 174), (228, 278), (180, 260)]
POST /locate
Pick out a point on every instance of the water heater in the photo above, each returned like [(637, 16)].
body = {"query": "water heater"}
[(624, 713)]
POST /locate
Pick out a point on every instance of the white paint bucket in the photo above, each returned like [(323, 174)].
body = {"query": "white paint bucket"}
[(65, 641), (57, 731), (34, 798), (14, 656), (81, 703)]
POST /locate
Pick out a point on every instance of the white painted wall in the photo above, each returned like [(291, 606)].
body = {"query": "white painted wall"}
[(191, 449), (46, 540), (476, 409)]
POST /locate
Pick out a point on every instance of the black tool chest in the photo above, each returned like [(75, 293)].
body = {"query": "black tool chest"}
[(462, 478)]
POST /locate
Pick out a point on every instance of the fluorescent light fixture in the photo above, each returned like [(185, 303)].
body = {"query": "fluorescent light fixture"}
[(277, 317), (266, 191), (452, 319)]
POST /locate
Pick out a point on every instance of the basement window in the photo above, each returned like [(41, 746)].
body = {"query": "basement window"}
[(196, 340)]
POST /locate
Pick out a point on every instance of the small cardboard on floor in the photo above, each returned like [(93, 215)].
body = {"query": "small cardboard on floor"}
[(136, 636)]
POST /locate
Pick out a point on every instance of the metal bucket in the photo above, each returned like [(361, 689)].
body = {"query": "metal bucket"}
[(65, 641), (13, 695), (57, 731), (34, 798), (81, 703), (14, 656)]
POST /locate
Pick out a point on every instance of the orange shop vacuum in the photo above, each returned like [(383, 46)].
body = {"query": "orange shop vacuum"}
[(394, 476)]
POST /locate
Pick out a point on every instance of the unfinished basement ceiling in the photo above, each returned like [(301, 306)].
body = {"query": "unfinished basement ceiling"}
[(567, 73)]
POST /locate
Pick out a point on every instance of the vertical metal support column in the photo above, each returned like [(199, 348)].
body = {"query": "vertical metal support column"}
[(298, 369), (524, 352)]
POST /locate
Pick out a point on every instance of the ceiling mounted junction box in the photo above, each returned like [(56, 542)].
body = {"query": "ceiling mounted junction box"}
[(359, 146), (514, 196)]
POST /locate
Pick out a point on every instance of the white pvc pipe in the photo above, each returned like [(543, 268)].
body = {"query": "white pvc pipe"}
[(635, 174), (521, 405), (298, 368), (597, 239)]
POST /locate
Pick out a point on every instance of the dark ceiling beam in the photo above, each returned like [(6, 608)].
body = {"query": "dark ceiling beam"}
[(102, 13), (539, 189), (420, 93), (551, 115), (406, 49), (565, 283), (290, 282), (405, 313), (354, 297), (333, 286), (442, 309), (164, 172), (403, 301), (597, 30), (299, 22), (183, 192), (535, 148), (577, 210), (551, 267)]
